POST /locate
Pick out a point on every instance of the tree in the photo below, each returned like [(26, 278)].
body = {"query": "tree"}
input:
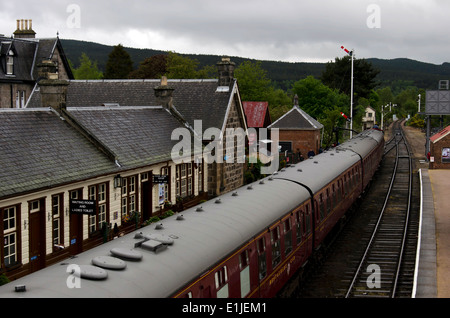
[(87, 69), (337, 75), (152, 67), (315, 98), (119, 63), (254, 85), (181, 67)]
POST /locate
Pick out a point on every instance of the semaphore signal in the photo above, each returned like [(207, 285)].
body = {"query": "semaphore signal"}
[(351, 90), (345, 116), (347, 51)]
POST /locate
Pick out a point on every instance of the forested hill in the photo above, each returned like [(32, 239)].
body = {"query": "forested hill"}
[(396, 73)]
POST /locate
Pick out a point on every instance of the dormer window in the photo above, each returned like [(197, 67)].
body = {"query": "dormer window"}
[(10, 63)]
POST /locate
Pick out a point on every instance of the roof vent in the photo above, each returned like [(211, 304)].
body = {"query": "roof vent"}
[(199, 209), (109, 262), (20, 288), (218, 201), (180, 217), (130, 254), (235, 194), (154, 246), (159, 226), (92, 272), (160, 238)]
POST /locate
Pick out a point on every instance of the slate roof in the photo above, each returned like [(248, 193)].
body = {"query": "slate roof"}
[(28, 53), (193, 99), (296, 119), (39, 150), (138, 136)]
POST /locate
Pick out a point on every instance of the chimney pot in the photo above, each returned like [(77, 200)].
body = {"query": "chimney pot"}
[(164, 81), (24, 29), (164, 93)]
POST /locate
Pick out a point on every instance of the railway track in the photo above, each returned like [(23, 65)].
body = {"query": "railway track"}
[(376, 249), (380, 268)]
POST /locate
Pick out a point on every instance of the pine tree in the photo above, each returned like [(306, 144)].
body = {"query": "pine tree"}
[(87, 69), (119, 64)]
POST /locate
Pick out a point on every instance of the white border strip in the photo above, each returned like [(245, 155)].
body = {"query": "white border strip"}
[(419, 238)]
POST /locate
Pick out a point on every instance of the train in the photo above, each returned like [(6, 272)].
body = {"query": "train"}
[(244, 244)]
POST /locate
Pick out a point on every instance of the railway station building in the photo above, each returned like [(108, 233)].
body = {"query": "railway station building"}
[(299, 133), (440, 149), (86, 161)]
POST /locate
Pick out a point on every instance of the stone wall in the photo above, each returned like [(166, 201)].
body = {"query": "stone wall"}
[(225, 177)]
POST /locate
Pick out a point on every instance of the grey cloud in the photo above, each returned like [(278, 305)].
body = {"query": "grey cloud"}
[(278, 30)]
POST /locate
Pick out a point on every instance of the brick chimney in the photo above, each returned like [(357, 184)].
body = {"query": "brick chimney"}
[(53, 91), (164, 93), (226, 71), (24, 30)]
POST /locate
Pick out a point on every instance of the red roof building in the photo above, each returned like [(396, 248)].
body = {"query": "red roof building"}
[(440, 149), (257, 114)]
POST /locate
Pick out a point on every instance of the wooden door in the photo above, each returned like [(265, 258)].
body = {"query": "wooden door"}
[(146, 200), (37, 235)]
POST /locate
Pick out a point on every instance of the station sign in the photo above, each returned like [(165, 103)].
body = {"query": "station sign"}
[(82, 207), (160, 178)]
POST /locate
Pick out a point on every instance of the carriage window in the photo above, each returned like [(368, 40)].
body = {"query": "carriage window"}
[(275, 241), (221, 279), (334, 196), (321, 206), (287, 236), (328, 201), (345, 185), (300, 224), (262, 265), (308, 219), (245, 273)]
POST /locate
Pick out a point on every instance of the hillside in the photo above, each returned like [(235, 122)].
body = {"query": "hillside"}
[(396, 73)]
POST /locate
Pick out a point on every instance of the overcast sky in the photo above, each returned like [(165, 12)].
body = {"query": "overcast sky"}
[(280, 30)]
